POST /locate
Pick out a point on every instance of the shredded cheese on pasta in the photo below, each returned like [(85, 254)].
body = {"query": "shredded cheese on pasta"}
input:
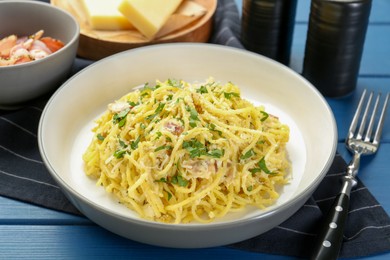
[(178, 152)]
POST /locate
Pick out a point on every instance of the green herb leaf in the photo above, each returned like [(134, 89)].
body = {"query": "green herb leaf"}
[(248, 154), (162, 147), (195, 148), (133, 104), (263, 166), (122, 143), (179, 99), (100, 137), (119, 153), (162, 180), (121, 117), (212, 128), (216, 153), (159, 134), (229, 95), (193, 116), (156, 112), (179, 180), (255, 170), (175, 83), (202, 90), (134, 144), (265, 116), (169, 195), (122, 122)]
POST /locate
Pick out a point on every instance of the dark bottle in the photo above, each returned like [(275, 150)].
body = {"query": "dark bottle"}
[(267, 27), (334, 44)]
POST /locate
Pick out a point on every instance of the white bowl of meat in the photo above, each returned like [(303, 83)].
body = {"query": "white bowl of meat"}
[(187, 145), (38, 43)]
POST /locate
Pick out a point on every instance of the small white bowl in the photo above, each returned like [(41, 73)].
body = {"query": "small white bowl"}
[(65, 132), (24, 82)]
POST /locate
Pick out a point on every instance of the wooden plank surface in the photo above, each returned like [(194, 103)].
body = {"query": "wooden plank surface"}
[(31, 232), (91, 242)]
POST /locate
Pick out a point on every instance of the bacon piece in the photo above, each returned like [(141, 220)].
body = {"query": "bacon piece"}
[(174, 128), (53, 44)]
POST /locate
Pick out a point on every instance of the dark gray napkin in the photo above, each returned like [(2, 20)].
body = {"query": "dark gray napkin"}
[(367, 229), (24, 177)]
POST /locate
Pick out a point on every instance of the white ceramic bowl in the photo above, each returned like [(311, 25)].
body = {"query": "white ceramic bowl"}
[(65, 132), (23, 82)]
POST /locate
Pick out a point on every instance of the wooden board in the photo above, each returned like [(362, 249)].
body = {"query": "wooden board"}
[(97, 44)]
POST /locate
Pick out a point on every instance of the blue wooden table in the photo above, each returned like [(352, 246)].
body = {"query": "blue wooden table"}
[(32, 232)]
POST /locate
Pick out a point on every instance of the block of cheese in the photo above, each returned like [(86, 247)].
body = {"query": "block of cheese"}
[(188, 12), (148, 16), (191, 8), (104, 15)]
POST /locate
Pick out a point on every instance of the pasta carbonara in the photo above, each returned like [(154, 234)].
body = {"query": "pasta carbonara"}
[(177, 152)]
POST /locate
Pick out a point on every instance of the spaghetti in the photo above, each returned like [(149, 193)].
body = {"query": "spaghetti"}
[(178, 152)]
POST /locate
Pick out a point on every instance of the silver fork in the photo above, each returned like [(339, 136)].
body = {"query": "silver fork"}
[(359, 142)]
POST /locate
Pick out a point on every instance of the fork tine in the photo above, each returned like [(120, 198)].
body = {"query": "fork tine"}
[(378, 131), (367, 137), (355, 119), (364, 117)]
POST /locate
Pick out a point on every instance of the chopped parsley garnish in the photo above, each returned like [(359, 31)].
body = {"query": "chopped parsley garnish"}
[(175, 83), (229, 95), (169, 97), (195, 148), (262, 167), (119, 153), (156, 112), (159, 134), (120, 118), (133, 104), (261, 142), (202, 90), (100, 137), (134, 144), (169, 195), (248, 154), (162, 147), (193, 116), (122, 143), (179, 99), (216, 153), (162, 180), (212, 128), (265, 116), (179, 180)]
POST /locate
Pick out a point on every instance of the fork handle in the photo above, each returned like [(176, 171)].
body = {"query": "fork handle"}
[(330, 238)]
